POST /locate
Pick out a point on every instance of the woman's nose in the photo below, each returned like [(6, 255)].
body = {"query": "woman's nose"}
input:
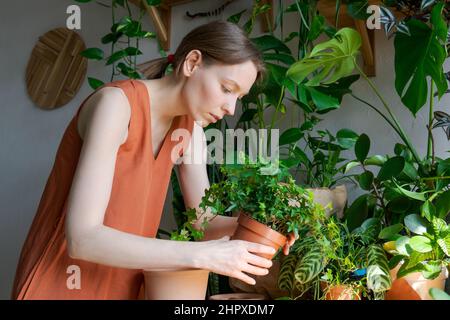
[(229, 109)]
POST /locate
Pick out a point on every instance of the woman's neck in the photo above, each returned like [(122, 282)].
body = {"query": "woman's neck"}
[(166, 97)]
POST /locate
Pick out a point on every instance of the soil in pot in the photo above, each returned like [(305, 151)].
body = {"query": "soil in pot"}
[(249, 229)]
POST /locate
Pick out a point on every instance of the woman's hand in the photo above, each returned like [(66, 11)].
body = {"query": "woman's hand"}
[(291, 237), (233, 258)]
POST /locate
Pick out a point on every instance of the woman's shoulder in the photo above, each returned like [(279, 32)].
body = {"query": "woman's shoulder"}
[(108, 103)]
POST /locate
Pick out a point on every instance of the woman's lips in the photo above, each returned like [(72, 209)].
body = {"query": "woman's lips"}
[(216, 118)]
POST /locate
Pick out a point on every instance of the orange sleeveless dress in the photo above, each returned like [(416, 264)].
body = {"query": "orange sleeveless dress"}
[(136, 203)]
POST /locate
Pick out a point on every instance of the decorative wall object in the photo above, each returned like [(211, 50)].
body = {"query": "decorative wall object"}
[(56, 70), (161, 17)]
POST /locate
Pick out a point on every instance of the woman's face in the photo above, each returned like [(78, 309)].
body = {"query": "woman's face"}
[(211, 92)]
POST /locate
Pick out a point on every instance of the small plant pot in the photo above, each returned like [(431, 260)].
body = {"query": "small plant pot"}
[(238, 296), (185, 284), (414, 286), (249, 229), (340, 292)]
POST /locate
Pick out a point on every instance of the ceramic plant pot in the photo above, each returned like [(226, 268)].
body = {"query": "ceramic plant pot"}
[(336, 197), (185, 284), (340, 292), (414, 286), (249, 229)]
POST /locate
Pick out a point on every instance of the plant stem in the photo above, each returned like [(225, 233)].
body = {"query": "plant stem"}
[(430, 143), (379, 112), (280, 99), (435, 178), (400, 130)]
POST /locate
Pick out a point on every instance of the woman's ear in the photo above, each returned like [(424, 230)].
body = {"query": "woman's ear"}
[(193, 60)]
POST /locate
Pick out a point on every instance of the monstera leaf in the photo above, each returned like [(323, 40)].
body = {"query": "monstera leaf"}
[(328, 61), (419, 55)]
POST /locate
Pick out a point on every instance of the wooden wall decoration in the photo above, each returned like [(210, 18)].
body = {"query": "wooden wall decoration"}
[(161, 18), (56, 70)]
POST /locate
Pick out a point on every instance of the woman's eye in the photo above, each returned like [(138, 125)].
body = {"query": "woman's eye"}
[(226, 90)]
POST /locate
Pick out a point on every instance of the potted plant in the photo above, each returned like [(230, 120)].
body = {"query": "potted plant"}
[(406, 184), (332, 263), (262, 194), (179, 284), (420, 256)]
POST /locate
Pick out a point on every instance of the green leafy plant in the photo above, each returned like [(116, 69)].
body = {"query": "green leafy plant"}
[(423, 249), (124, 38), (405, 183), (265, 192), (331, 255), (187, 232), (265, 106)]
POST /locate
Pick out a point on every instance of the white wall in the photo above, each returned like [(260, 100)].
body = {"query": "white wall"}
[(29, 136)]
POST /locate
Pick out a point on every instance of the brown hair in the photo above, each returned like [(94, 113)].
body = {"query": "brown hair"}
[(219, 42)]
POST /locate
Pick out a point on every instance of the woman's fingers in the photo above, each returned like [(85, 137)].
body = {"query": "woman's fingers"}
[(255, 270), (243, 277), (259, 261), (259, 248), (291, 237)]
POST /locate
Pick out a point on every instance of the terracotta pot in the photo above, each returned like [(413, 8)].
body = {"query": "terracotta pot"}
[(185, 284), (238, 296), (249, 229), (414, 286), (340, 292)]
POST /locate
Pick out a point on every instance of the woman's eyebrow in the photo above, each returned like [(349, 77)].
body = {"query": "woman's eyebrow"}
[(235, 84)]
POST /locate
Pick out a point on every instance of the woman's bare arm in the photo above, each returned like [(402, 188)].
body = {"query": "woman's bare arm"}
[(194, 181), (88, 239)]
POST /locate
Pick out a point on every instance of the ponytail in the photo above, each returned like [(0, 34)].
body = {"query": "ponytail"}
[(154, 69)]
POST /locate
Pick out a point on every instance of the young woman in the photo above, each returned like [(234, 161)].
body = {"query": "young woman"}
[(103, 201)]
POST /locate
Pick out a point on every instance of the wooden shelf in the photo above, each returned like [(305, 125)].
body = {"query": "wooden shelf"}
[(161, 18)]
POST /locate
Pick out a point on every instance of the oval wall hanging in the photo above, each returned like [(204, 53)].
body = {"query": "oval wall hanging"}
[(56, 70)]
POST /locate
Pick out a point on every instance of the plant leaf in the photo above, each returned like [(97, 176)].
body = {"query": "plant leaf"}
[(418, 56), (291, 135), (95, 83), (357, 212), (420, 244), (443, 205), (389, 232), (93, 53), (391, 168), (416, 224), (362, 147), (329, 60), (365, 180), (346, 138)]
